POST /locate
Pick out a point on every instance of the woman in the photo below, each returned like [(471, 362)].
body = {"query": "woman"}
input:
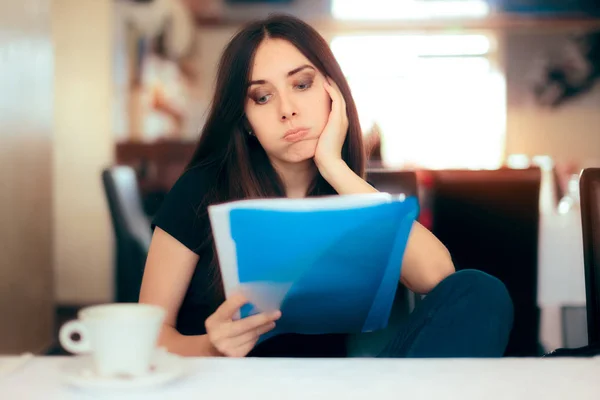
[(283, 123)]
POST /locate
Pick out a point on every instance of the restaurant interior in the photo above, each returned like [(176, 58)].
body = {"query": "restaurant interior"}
[(486, 111)]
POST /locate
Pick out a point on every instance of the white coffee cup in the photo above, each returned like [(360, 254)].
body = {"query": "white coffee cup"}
[(121, 338)]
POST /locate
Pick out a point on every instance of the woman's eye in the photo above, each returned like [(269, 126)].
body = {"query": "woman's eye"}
[(262, 99), (304, 85)]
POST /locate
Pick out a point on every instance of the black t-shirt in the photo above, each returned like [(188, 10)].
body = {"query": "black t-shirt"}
[(183, 215)]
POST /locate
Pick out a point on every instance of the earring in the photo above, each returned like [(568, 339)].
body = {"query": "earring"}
[(250, 132)]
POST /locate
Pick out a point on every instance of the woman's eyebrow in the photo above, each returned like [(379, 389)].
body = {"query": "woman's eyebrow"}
[(300, 68), (292, 72)]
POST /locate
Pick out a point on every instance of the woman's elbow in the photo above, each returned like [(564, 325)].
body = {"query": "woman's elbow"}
[(438, 269)]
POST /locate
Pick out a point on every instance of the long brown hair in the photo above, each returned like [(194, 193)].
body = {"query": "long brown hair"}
[(242, 167)]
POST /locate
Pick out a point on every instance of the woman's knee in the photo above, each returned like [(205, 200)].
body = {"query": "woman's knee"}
[(485, 290)]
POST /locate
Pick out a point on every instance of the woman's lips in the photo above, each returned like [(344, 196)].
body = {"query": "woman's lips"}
[(294, 135)]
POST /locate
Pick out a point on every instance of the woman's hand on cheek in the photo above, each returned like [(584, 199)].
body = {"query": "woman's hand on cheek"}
[(329, 145)]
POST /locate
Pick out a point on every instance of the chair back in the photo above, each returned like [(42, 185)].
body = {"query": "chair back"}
[(131, 228), (589, 193), (393, 181), (488, 220)]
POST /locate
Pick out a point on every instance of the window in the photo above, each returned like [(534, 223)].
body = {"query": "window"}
[(408, 9), (438, 100)]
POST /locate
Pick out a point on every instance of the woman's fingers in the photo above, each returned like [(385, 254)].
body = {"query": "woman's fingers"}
[(251, 336), (338, 104), (227, 310), (235, 338), (251, 323), (240, 345), (336, 94)]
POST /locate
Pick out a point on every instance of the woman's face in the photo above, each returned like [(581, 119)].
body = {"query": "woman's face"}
[(286, 104)]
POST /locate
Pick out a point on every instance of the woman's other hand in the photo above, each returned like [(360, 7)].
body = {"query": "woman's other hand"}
[(236, 338)]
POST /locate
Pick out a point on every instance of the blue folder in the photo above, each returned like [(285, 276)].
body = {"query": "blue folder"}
[(332, 270)]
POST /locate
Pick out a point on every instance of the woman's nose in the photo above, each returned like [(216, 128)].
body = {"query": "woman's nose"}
[(288, 115), (288, 109)]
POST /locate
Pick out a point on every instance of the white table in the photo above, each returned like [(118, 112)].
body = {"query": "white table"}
[(217, 379)]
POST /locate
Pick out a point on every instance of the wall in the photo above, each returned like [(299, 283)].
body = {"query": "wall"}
[(84, 145), (570, 133), (306, 9), (26, 290)]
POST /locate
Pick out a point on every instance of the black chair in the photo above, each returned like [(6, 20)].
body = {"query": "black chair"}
[(394, 182), (488, 220), (131, 228), (589, 194), (589, 189)]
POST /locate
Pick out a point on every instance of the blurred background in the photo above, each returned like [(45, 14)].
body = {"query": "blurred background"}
[(489, 109)]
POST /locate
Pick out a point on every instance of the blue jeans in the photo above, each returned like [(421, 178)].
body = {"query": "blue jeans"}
[(468, 314)]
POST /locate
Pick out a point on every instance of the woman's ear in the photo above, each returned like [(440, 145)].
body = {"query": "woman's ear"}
[(246, 125)]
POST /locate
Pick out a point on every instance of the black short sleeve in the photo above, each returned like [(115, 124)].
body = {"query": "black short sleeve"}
[(183, 213)]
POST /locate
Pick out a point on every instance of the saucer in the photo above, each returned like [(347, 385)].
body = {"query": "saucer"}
[(79, 371)]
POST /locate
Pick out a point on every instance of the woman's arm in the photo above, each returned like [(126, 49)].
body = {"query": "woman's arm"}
[(167, 274), (426, 260), (169, 269)]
